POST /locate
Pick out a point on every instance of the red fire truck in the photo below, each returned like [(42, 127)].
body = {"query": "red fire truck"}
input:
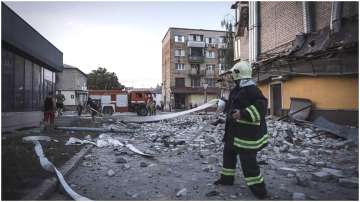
[(121, 100)]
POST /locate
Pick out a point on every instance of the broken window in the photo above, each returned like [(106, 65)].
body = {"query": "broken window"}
[(222, 39), (196, 37)]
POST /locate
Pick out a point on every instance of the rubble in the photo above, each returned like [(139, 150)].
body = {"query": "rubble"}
[(297, 196), (321, 176), (110, 173), (121, 160), (181, 193), (352, 182)]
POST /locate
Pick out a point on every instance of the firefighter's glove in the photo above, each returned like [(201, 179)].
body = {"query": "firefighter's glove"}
[(236, 114), (221, 105)]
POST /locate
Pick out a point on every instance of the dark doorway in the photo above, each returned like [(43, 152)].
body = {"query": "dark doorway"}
[(179, 101), (276, 100), (179, 82)]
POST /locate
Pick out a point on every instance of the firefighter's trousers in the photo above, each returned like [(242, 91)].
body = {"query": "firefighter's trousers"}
[(249, 165)]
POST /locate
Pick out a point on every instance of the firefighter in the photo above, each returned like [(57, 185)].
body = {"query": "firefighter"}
[(245, 130)]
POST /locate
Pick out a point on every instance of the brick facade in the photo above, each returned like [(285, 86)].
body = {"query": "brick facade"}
[(279, 23)]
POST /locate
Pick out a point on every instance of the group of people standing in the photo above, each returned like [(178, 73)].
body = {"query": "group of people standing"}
[(151, 106)]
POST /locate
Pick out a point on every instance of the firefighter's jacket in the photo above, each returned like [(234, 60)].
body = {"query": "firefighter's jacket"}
[(250, 131)]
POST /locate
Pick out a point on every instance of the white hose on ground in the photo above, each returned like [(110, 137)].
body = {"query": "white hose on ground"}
[(48, 166)]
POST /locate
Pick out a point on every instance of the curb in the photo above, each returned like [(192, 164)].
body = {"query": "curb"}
[(49, 185)]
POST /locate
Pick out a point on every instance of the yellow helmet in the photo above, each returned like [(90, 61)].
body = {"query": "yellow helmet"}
[(241, 70)]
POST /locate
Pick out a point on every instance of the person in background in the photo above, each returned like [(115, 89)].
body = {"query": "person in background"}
[(93, 107), (60, 98), (49, 111)]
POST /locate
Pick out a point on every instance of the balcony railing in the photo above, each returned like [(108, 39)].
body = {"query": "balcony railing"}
[(222, 45), (199, 44), (196, 59), (195, 72)]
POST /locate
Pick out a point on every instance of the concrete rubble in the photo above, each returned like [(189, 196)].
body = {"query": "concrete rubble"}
[(297, 154)]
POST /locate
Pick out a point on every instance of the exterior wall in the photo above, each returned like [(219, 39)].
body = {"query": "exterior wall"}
[(166, 56), (68, 99), (279, 23), (198, 99), (327, 93), (169, 60), (71, 79), (322, 13), (14, 120), (28, 66)]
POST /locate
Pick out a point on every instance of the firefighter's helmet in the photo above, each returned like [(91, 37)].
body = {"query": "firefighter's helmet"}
[(241, 70)]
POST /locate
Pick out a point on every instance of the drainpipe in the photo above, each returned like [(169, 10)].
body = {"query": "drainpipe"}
[(256, 31), (336, 11), (306, 17), (250, 31)]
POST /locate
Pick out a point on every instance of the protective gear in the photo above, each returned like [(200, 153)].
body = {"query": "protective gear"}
[(245, 136), (241, 70), (221, 106)]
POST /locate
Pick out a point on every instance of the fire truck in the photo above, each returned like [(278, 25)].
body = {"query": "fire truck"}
[(121, 100)]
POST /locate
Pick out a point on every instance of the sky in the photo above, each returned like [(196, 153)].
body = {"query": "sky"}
[(124, 37)]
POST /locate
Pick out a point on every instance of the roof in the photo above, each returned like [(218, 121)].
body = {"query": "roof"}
[(72, 67), (205, 30)]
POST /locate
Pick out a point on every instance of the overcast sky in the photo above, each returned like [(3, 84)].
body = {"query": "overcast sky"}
[(123, 37)]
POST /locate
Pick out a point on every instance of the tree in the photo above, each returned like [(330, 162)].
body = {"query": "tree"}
[(227, 23), (101, 79)]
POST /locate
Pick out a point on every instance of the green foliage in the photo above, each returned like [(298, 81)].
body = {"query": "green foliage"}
[(101, 79), (227, 23)]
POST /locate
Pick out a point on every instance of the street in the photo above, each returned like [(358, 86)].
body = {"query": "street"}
[(309, 169)]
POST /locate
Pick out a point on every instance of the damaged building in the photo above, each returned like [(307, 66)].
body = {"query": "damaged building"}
[(302, 51), (191, 62), (29, 64)]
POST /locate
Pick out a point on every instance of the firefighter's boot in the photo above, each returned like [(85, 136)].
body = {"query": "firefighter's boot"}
[(259, 191), (225, 180)]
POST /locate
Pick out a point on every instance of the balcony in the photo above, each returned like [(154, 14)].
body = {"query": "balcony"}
[(198, 44), (222, 45), (196, 72), (196, 59)]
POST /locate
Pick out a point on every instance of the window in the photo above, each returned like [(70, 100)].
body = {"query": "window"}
[(210, 67), (28, 85), (36, 86), (195, 37), (222, 39), (7, 80), (179, 82), (19, 85), (221, 53), (210, 54), (222, 67), (209, 40), (179, 52), (195, 82), (179, 66), (179, 39), (210, 82)]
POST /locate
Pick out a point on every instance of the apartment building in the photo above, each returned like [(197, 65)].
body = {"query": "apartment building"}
[(191, 62), (29, 63), (302, 50)]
